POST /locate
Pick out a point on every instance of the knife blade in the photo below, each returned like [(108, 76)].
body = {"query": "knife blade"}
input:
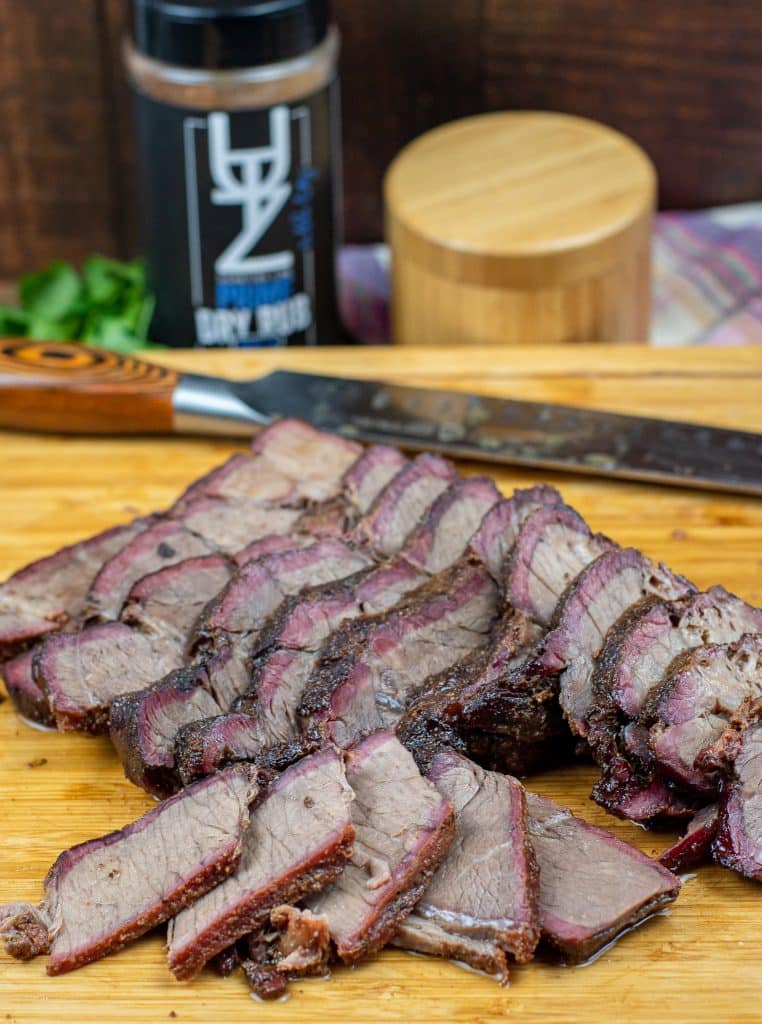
[(37, 381)]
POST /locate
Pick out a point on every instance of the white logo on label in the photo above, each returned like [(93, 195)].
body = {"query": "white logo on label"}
[(255, 180)]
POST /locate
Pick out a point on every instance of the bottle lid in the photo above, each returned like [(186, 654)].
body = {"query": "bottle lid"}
[(220, 34), (520, 199)]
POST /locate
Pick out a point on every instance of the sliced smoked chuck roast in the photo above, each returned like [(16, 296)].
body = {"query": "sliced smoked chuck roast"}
[(47, 597), (224, 510), (403, 829), (593, 887), (299, 838), (322, 617), (693, 704), (389, 656), (145, 724), (738, 842), (102, 894), (659, 689), (592, 603), (48, 594), (481, 904), (82, 673)]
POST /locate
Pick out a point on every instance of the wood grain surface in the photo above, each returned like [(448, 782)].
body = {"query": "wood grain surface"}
[(698, 964), (544, 236)]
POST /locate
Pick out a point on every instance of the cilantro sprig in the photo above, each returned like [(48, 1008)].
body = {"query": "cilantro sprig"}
[(108, 304)]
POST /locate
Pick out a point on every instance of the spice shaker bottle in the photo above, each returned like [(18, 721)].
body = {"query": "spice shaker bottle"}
[(238, 152)]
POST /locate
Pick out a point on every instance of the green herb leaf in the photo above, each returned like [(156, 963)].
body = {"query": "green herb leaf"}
[(107, 306), (53, 292), (13, 322), (65, 329)]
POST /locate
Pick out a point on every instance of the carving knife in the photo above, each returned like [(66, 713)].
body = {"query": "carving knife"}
[(68, 389)]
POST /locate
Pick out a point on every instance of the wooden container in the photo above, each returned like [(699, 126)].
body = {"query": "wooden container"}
[(520, 227)]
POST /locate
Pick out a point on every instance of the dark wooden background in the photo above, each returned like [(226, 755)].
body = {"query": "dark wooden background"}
[(683, 77)]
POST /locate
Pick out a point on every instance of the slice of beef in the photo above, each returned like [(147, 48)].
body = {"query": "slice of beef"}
[(143, 726), (241, 477), (738, 843), (593, 887), (403, 829), (169, 601), (553, 546), (30, 700), (642, 645), (290, 463), (299, 837), (500, 527), (234, 525), (485, 706), (450, 523), (391, 655), (228, 527), (485, 890), (316, 461), (162, 544), (239, 612), (272, 544), (398, 509), (203, 745), (104, 893), (82, 673), (693, 704), (592, 603), (693, 848), (371, 474), (47, 595)]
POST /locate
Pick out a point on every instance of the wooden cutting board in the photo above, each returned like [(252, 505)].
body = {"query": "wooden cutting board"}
[(698, 963)]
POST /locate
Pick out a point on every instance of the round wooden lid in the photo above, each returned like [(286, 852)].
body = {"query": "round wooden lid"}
[(521, 199)]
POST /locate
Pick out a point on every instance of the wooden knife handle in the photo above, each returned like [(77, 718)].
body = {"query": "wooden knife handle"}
[(75, 389)]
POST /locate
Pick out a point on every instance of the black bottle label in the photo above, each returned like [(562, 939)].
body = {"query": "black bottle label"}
[(239, 211)]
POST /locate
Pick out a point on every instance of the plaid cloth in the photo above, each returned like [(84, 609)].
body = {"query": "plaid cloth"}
[(707, 285)]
